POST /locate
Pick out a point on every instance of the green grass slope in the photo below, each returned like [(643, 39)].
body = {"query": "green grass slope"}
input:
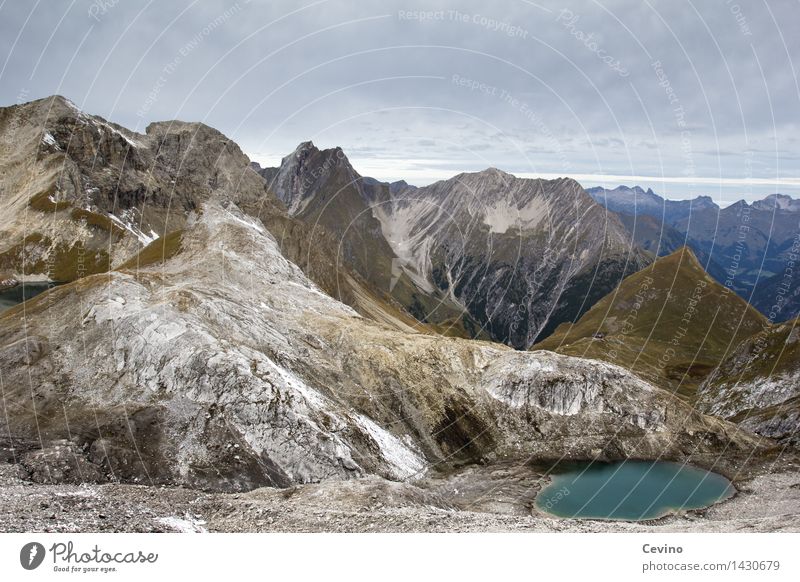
[(670, 323)]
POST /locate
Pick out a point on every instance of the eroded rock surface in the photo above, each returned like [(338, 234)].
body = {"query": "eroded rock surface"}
[(225, 368)]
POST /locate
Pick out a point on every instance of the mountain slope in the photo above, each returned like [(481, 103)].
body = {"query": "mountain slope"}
[(80, 195), (322, 190), (519, 255), (482, 254), (224, 367), (670, 323), (758, 386), (746, 247)]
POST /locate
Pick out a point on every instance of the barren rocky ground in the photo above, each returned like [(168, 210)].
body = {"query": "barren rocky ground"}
[(482, 499)]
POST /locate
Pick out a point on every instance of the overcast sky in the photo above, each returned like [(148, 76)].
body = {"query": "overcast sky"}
[(685, 97)]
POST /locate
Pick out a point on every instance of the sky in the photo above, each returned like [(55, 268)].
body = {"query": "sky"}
[(686, 97)]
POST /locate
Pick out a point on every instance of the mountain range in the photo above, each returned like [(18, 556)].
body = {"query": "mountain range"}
[(749, 248), (224, 326), (483, 254)]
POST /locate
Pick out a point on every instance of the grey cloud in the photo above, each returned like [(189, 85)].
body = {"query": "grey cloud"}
[(538, 91)]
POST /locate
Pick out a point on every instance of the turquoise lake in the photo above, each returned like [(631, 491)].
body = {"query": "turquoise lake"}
[(630, 490), (16, 295)]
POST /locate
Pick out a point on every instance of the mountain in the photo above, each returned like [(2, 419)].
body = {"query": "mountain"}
[(746, 247), (636, 201), (652, 234), (482, 254), (777, 202), (224, 367), (778, 296), (758, 385), (321, 190), (670, 323), (80, 195)]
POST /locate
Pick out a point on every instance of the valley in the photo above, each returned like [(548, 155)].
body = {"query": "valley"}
[(233, 346)]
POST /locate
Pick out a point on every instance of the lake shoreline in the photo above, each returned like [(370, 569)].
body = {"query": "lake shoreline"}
[(769, 501)]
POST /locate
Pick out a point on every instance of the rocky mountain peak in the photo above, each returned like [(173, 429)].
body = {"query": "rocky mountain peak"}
[(496, 173), (103, 188), (304, 171), (704, 202), (778, 202)]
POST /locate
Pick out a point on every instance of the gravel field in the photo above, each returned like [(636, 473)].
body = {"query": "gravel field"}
[(494, 499)]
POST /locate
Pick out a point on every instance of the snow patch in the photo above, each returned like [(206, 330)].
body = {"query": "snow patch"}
[(403, 460), (128, 224), (48, 139), (246, 222), (186, 524)]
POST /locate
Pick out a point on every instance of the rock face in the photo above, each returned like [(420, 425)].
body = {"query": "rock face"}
[(482, 255), (224, 367), (758, 386), (79, 195)]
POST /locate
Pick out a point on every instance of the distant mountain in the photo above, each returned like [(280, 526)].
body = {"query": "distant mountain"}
[(746, 247), (778, 296), (758, 385), (670, 323), (778, 202), (637, 201), (483, 253)]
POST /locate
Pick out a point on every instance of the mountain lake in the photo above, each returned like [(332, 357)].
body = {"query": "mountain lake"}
[(22, 292), (630, 490)]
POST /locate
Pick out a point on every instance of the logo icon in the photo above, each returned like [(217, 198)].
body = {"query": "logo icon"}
[(31, 555)]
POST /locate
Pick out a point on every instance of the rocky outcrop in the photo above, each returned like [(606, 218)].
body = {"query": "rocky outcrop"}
[(224, 367), (758, 386), (80, 195)]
